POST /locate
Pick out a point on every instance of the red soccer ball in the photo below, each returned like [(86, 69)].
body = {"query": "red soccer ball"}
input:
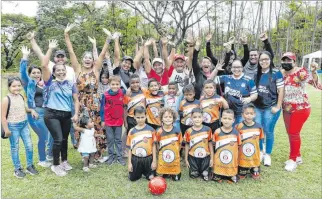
[(157, 185)]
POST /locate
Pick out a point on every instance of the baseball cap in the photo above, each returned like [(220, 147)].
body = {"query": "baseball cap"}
[(60, 52), (179, 57), (289, 55), (157, 60), (128, 58)]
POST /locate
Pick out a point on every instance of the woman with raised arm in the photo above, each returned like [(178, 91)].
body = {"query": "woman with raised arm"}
[(59, 97), (88, 77)]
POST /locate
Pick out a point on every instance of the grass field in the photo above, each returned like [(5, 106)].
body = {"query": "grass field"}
[(112, 182)]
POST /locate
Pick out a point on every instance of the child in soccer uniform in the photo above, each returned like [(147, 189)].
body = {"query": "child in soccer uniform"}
[(172, 100), (227, 141), (169, 140), (154, 102), (198, 148), (251, 133), (211, 103), (142, 150), (186, 106), (135, 99)]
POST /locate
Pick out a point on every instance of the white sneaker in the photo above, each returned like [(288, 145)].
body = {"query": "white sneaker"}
[(92, 166), (49, 158), (267, 160), (58, 170), (86, 169), (299, 160), (66, 166), (290, 166), (44, 164), (103, 159), (261, 156)]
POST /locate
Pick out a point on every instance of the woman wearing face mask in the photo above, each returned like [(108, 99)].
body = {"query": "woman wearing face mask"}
[(34, 87), (239, 89), (296, 107), (59, 97), (88, 78), (270, 88)]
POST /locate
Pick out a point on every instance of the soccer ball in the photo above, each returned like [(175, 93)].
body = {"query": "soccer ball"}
[(157, 185)]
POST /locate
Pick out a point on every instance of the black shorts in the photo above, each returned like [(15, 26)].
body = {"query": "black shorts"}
[(199, 167), (215, 125), (254, 171), (131, 123), (141, 165)]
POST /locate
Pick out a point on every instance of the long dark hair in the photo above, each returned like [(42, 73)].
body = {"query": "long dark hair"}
[(104, 72), (33, 67), (259, 68)]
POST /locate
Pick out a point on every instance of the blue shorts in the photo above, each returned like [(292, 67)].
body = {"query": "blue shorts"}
[(85, 154)]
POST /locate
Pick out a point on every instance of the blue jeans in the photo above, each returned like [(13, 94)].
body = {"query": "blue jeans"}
[(18, 130), (40, 128), (268, 121), (113, 136)]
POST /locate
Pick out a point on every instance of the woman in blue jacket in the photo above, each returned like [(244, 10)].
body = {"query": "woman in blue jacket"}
[(34, 87)]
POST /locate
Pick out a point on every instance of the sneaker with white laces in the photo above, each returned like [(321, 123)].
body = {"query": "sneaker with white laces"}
[(299, 160), (32, 170), (58, 170), (103, 159), (66, 166), (267, 160), (44, 164), (261, 156), (86, 169), (92, 166), (19, 173), (290, 166)]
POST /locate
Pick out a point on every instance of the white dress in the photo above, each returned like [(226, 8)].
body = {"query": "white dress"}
[(87, 141)]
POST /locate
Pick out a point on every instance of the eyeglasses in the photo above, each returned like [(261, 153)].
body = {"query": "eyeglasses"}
[(262, 60)]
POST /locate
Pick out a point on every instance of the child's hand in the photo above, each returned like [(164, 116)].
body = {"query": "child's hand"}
[(187, 164), (153, 165), (211, 163), (125, 125), (128, 92), (34, 114), (130, 167)]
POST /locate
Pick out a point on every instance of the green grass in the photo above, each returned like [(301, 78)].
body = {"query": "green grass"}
[(112, 182)]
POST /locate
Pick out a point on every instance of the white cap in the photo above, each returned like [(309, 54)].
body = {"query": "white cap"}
[(157, 60)]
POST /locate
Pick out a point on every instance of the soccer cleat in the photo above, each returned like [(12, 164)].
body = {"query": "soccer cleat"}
[(267, 160), (19, 173), (32, 170), (66, 166), (290, 166)]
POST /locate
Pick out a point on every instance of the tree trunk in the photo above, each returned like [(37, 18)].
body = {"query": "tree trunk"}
[(269, 19), (260, 6), (229, 21), (315, 19)]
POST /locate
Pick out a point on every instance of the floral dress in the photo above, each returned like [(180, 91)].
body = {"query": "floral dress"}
[(89, 101)]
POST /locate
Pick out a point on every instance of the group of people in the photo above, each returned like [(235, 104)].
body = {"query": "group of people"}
[(216, 116)]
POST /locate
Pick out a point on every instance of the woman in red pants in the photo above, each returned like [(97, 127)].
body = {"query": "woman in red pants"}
[(296, 107)]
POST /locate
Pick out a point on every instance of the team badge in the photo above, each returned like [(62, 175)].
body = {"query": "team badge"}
[(248, 149), (243, 85), (200, 152), (140, 152), (189, 122), (155, 111), (168, 156), (206, 118), (145, 140), (225, 156)]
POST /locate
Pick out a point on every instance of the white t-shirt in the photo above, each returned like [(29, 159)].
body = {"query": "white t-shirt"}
[(70, 73), (87, 141), (180, 78), (143, 77)]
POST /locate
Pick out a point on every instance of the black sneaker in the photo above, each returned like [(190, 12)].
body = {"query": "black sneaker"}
[(19, 173), (110, 161), (32, 170), (121, 162)]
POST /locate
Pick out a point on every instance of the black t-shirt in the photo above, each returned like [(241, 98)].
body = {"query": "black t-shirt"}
[(39, 100)]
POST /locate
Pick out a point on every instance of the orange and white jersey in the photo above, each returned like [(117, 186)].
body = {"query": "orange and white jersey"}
[(226, 152), (140, 141), (249, 154), (136, 99), (153, 106), (198, 141), (210, 109), (169, 151), (185, 110)]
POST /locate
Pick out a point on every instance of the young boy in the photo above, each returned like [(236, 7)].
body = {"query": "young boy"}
[(112, 109), (226, 140), (172, 100), (198, 148), (142, 149), (249, 153)]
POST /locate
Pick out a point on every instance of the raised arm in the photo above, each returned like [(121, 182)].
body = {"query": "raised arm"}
[(137, 58), (214, 60), (264, 38), (155, 49), (195, 65), (72, 55), (146, 54), (165, 53), (219, 67), (46, 73), (190, 53), (117, 54), (23, 66), (95, 53), (34, 45), (99, 61), (172, 52), (243, 41)]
